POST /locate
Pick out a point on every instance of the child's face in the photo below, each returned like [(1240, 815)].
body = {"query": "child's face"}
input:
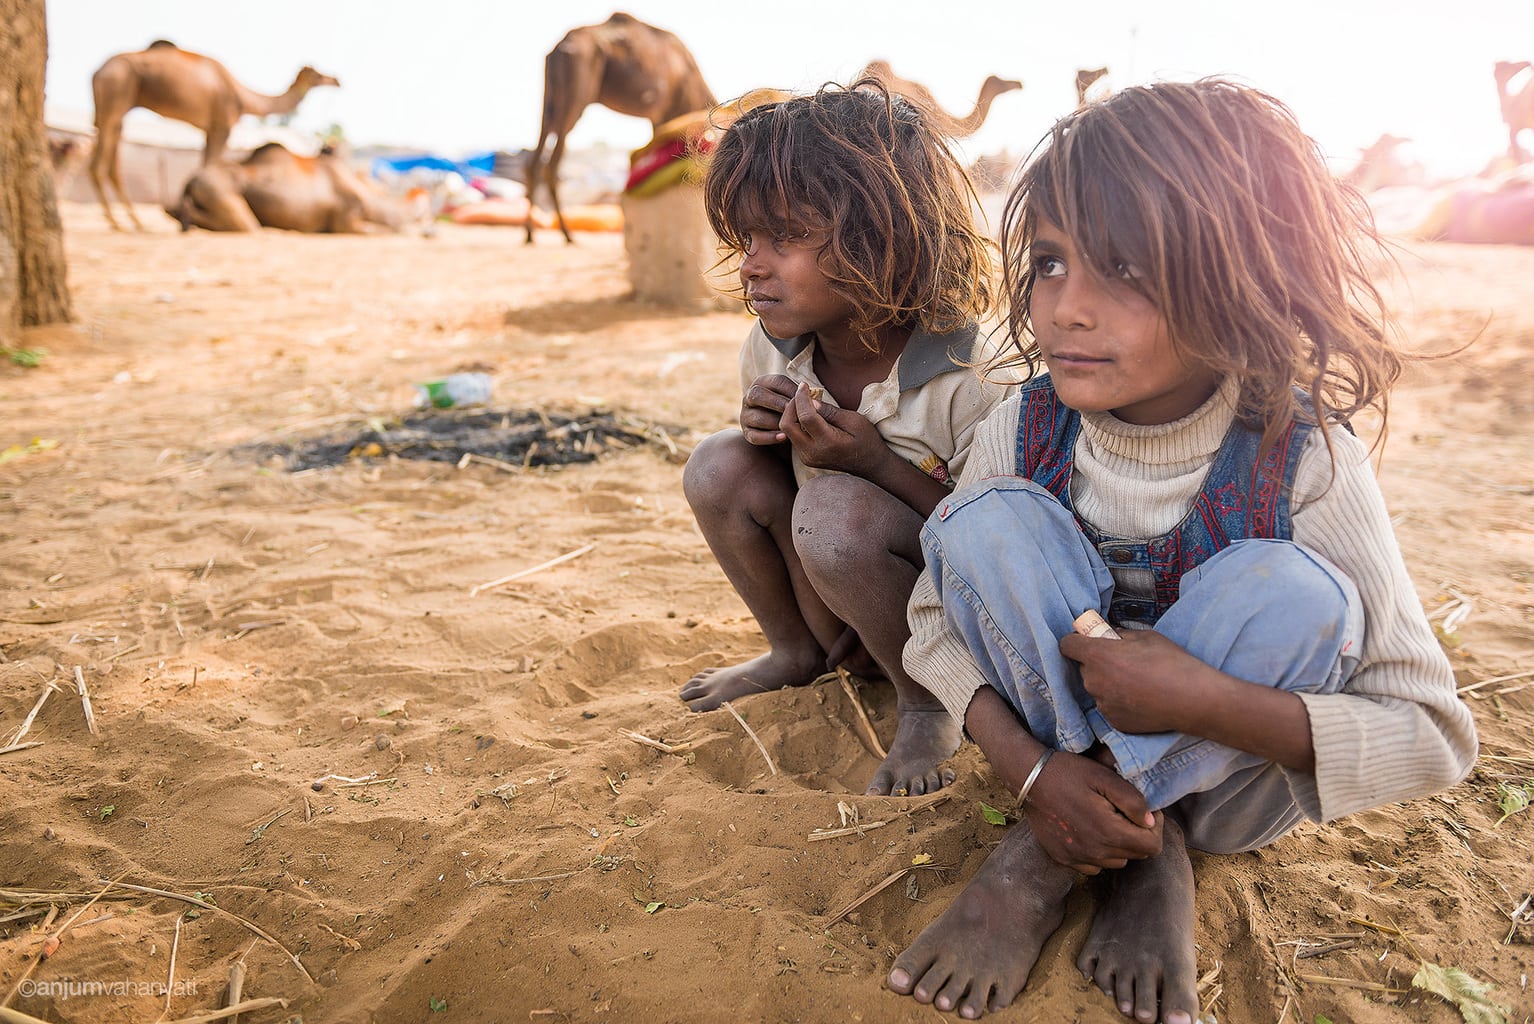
[(781, 275), (1105, 344)]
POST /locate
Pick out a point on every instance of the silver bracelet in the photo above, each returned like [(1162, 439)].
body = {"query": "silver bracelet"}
[(1033, 776)]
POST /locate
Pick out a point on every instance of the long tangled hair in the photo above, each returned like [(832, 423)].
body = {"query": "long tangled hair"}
[(1258, 260), (868, 169)]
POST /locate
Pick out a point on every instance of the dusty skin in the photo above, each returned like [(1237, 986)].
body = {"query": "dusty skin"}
[(531, 861)]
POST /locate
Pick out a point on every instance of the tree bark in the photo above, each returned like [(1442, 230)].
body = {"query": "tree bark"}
[(33, 284)]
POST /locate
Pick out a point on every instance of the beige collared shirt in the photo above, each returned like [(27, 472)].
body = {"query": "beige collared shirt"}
[(926, 409)]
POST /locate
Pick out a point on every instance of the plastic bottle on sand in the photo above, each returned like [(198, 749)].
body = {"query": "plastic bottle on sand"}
[(454, 389)]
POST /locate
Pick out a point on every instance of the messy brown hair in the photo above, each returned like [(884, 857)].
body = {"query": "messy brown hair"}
[(869, 170), (1258, 260)]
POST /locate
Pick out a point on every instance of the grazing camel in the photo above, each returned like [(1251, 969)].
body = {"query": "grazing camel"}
[(1085, 78), (183, 86), (952, 125), (623, 64), (1518, 106), (275, 188)]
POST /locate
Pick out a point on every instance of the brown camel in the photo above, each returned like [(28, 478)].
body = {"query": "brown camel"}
[(1518, 106), (183, 86), (623, 64), (275, 188), (1380, 166), (952, 125), (1085, 79)]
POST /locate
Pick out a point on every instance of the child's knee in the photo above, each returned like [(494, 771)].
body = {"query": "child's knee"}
[(1306, 588), (836, 516), (718, 467), (974, 526)]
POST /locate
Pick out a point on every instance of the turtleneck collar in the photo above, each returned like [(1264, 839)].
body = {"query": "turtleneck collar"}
[(1196, 435)]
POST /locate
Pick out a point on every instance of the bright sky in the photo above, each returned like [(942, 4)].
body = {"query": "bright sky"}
[(467, 76)]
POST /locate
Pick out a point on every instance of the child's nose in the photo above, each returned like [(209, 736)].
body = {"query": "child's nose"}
[(1077, 302), (752, 262)]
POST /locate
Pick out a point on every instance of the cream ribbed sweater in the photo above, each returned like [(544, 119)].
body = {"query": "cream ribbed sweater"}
[(1396, 731)]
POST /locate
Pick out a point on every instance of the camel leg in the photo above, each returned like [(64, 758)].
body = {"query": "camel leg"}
[(95, 172), (215, 143), (122, 195), (103, 165), (551, 178), (534, 164)]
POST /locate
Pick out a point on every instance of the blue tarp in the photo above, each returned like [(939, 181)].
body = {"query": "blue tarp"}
[(477, 166)]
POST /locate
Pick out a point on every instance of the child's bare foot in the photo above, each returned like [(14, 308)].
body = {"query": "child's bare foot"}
[(1140, 950), (771, 671), (924, 739), (977, 955)]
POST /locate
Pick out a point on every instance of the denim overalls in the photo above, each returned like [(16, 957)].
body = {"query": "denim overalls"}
[(1014, 567)]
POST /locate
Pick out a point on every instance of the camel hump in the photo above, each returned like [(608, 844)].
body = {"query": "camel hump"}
[(268, 150), (622, 18), (162, 44)]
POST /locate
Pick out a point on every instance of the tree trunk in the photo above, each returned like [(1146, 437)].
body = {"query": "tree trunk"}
[(33, 288)]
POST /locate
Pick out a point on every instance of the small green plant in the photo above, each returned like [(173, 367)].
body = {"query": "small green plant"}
[(992, 815), (25, 356), (437, 1005), (106, 812), (1469, 995), (1512, 799)]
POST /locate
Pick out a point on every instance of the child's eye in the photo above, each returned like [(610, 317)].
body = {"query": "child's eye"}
[(1048, 266), (782, 241), (1124, 270)]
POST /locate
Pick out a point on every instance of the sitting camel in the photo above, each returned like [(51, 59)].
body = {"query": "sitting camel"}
[(952, 125), (1517, 106), (275, 188), (186, 87), (623, 64), (1380, 166), (1085, 79)]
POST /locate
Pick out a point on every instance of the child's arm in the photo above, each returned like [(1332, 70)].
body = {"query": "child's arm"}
[(827, 437), (1144, 682), (1084, 814)]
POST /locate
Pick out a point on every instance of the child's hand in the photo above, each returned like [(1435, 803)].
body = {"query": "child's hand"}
[(1088, 817), (1141, 681), (826, 437), (761, 410)]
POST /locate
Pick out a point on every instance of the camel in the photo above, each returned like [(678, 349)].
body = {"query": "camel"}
[(1380, 166), (1085, 78), (275, 188), (1517, 106), (183, 86), (952, 125), (626, 66)]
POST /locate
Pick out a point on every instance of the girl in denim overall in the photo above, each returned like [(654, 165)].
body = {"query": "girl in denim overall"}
[(1195, 284)]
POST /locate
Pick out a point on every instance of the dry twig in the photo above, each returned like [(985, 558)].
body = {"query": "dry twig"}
[(857, 707), (255, 928), (26, 723), (20, 746), (232, 1011), (731, 709), (891, 879), (568, 556), (85, 701), (664, 748)]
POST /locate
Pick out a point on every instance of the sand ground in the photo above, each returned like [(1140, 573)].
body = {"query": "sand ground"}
[(243, 630)]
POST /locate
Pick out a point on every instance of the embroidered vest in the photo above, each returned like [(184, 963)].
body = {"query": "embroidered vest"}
[(1244, 495)]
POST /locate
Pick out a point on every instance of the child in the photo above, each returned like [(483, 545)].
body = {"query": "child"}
[(1182, 263), (860, 258)]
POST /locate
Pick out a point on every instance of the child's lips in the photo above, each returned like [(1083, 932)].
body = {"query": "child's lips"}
[(1074, 360)]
